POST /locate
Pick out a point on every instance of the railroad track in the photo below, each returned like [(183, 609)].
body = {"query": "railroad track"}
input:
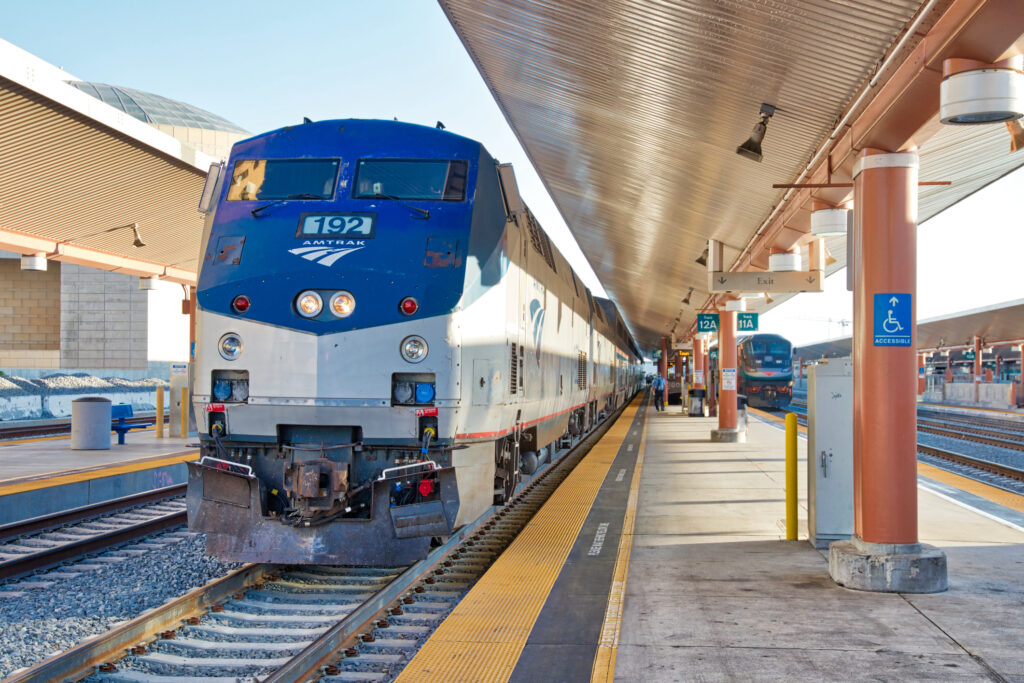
[(983, 430), (300, 623), (44, 542), (53, 428)]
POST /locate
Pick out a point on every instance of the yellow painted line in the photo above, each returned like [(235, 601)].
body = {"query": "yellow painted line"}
[(62, 436), (50, 479), (1014, 501), (608, 643), (484, 636), (774, 418)]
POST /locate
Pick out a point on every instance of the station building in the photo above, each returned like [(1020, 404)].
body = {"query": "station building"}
[(64, 315)]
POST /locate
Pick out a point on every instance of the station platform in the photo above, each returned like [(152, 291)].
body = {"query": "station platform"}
[(661, 558), (42, 476)]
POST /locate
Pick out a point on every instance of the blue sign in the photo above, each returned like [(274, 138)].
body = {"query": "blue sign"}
[(893, 323), (746, 322), (707, 322)]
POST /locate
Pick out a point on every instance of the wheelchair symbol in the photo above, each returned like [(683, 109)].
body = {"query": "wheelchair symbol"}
[(891, 325)]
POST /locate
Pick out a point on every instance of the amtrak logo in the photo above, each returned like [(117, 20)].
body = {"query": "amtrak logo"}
[(537, 317), (327, 253)]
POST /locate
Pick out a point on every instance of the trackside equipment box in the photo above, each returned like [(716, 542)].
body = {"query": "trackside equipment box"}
[(830, 451)]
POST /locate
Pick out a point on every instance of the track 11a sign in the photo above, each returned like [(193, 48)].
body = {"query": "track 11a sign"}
[(746, 322)]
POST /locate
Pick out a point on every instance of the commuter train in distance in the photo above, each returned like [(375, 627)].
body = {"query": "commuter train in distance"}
[(386, 341), (765, 374)]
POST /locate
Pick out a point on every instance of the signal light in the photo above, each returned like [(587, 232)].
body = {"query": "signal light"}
[(409, 306), (240, 304)]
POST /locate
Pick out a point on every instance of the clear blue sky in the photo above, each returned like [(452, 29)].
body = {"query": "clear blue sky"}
[(262, 68)]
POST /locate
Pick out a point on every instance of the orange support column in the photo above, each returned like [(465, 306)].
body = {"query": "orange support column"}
[(884, 554), (727, 422), (977, 366), (920, 374)]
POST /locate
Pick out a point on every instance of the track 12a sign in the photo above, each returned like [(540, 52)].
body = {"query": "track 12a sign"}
[(746, 322), (707, 322)]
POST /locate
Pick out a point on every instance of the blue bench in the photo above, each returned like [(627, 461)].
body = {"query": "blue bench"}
[(119, 412)]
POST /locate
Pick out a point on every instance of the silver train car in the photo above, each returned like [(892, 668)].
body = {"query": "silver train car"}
[(386, 342)]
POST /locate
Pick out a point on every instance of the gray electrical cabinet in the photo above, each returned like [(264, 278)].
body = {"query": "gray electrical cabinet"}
[(830, 451)]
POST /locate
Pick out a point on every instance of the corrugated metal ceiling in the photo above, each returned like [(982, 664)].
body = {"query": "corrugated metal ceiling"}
[(66, 176), (631, 112)]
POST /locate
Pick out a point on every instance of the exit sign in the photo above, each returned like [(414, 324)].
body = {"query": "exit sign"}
[(746, 322)]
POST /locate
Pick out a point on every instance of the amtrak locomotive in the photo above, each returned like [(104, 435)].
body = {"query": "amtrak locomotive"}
[(765, 370), (386, 340)]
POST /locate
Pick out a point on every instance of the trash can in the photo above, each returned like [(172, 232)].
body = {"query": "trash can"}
[(90, 424), (696, 403), (741, 411)]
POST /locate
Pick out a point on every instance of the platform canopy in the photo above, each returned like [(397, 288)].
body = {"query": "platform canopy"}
[(79, 176), (998, 325), (632, 110)]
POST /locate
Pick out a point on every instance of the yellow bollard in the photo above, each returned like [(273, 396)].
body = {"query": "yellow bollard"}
[(159, 412), (184, 413), (791, 479)]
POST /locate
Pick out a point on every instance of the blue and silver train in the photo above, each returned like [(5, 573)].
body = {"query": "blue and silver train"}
[(765, 370), (386, 341)]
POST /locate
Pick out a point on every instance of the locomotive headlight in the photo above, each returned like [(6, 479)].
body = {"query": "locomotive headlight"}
[(309, 304), (230, 346), (342, 304), (414, 348)]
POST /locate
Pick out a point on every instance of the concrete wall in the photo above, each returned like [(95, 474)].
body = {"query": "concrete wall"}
[(989, 395), (103, 320), (30, 311)]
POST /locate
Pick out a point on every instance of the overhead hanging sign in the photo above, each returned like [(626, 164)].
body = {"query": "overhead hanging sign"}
[(746, 322), (892, 316), (790, 281), (707, 322)]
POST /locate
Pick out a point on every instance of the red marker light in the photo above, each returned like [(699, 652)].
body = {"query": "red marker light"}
[(240, 303), (426, 487), (409, 306)]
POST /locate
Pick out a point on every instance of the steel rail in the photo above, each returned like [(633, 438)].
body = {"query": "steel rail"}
[(55, 428), (330, 646), (80, 660), (977, 437), (59, 519), (977, 463), (50, 557)]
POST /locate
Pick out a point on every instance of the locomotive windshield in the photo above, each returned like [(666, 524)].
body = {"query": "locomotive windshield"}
[(770, 354), (283, 179), (430, 179)]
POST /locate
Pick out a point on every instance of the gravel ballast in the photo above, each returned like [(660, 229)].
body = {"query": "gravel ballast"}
[(44, 614)]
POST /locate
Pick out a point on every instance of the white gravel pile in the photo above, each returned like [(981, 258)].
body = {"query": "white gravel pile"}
[(45, 614), (51, 396)]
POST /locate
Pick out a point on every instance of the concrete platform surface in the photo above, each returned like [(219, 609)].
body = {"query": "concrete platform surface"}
[(714, 592), (52, 456)]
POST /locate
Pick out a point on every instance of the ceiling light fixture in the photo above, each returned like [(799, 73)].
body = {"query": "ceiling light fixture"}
[(751, 149), (703, 258), (686, 299), (974, 92)]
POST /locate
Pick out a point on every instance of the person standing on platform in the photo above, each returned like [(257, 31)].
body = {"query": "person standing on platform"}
[(659, 392)]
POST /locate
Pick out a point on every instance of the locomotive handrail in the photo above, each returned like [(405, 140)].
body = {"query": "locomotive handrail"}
[(384, 474), (203, 460)]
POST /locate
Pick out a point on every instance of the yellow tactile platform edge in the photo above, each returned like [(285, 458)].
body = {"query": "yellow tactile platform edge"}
[(485, 634), (608, 643)]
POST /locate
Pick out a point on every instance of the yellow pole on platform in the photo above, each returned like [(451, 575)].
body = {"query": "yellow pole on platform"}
[(159, 412), (184, 412), (791, 480)]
